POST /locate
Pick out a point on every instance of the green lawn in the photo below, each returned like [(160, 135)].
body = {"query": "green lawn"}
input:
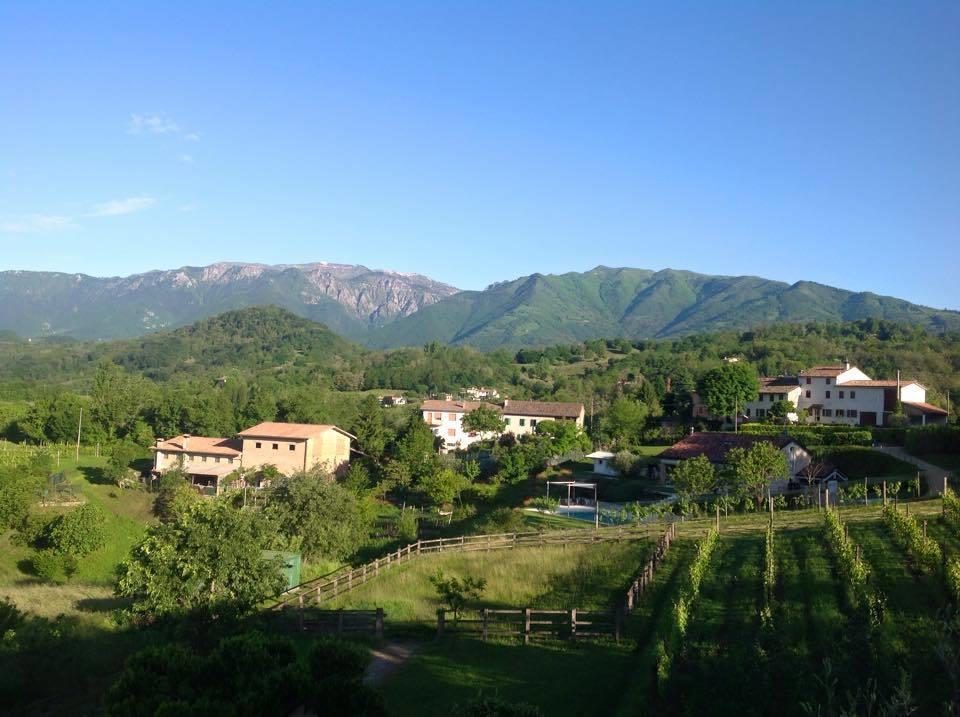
[(947, 461), (581, 576), (861, 462)]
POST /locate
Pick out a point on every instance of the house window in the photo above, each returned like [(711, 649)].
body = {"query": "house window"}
[(761, 412), (747, 411), (841, 394), (828, 394), (452, 416), (506, 421), (851, 413), (258, 445), (808, 394), (230, 460), (853, 394), (203, 459), (828, 381), (217, 459), (533, 421), (523, 421), (276, 446), (827, 412), (293, 447), (808, 380), (451, 431)]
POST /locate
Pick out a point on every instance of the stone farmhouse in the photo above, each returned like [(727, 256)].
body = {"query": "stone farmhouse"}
[(716, 446), (445, 418), (845, 394), (290, 447)]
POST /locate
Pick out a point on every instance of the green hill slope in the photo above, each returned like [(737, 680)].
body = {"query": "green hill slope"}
[(541, 310)]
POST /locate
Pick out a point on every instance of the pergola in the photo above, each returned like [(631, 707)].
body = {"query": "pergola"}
[(573, 485)]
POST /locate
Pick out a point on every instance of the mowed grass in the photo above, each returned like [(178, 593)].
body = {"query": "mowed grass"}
[(88, 593), (587, 577)]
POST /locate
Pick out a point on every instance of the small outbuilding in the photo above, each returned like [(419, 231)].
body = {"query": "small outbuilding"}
[(603, 463)]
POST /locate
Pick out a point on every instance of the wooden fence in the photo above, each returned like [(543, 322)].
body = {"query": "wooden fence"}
[(342, 622), (528, 624), (645, 577), (327, 587)]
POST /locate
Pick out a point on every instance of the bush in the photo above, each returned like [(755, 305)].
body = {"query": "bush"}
[(933, 439), (483, 706), (407, 525), (625, 462), (503, 520), (78, 532), (48, 565)]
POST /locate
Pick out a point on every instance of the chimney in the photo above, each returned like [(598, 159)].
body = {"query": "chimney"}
[(846, 365), (186, 440)]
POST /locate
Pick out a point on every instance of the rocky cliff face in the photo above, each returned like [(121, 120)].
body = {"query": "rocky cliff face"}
[(350, 299)]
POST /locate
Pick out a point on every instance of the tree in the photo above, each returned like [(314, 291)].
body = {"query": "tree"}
[(78, 532), (173, 495), (752, 469), (694, 477), (370, 429), (18, 490), (207, 559), (116, 399), (122, 454), (483, 419), (625, 420), (455, 592), (416, 449), (443, 485), (328, 519), (563, 436), (727, 389), (781, 410), (245, 675)]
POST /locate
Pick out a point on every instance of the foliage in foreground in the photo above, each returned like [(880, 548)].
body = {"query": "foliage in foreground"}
[(208, 559), (245, 675)]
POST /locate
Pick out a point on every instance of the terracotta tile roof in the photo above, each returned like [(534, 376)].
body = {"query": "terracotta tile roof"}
[(926, 407), (200, 444), (272, 429), (716, 445), (823, 371), (778, 384), (878, 383), (455, 406), (553, 409)]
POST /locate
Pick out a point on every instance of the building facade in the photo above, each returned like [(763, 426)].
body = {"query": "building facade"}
[(445, 418), (845, 395)]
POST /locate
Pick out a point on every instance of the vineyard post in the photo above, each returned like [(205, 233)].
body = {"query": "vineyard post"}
[(718, 517), (884, 494), (770, 501)]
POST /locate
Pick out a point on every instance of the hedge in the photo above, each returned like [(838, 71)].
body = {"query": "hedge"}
[(816, 435), (933, 439)]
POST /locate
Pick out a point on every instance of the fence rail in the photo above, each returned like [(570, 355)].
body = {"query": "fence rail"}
[(327, 587), (645, 576), (529, 624), (341, 622)]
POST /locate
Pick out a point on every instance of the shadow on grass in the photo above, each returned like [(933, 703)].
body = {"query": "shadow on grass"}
[(107, 604), (95, 475)]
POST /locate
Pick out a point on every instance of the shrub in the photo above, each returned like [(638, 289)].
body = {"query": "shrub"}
[(407, 525), (933, 439), (503, 520), (455, 592), (951, 510), (483, 706), (953, 578), (78, 532), (48, 565), (625, 462), (548, 505)]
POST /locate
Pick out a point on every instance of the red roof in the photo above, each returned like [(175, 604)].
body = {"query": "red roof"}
[(715, 446), (823, 371), (878, 383), (778, 384), (200, 444), (553, 409), (271, 429), (924, 407), (456, 406)]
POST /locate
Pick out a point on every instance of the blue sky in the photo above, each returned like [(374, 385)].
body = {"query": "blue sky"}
[(475, 142)]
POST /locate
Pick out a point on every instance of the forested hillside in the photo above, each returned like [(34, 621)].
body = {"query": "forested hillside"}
[(221, 374), (540, 310)]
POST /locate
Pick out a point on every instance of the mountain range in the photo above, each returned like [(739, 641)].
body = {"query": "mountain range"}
[(386, 309)]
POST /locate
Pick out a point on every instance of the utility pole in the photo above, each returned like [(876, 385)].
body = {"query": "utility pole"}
[(79, 426)]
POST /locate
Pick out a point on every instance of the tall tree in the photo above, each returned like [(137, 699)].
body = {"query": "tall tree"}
[(370, 428), (694, 477), (483, 419), (752, 469), (727, 389), (116, 399)]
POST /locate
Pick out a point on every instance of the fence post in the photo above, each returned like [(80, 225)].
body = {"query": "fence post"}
[(718, 517), (319, 598), (376, 567), (335, 590), (924, 530), (418, 547), (350, 580), (441, 620), (300, 600), (378, 625), (514, 545), (573, 623), (485, 612)]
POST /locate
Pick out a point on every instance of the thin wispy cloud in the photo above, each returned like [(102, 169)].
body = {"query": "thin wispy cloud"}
[(117, 207), (36, 224), (186, 158), (152, 124), (192, 136)]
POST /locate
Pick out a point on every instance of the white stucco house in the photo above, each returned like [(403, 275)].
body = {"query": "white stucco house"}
[(845, 394), (603, 463), (445, 418)]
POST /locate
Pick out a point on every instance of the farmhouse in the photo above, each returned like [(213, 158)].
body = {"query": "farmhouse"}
[(845, 394), (445, 418), (290, 447), (716, 446)]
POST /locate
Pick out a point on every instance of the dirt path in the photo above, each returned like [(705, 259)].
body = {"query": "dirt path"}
[(935, 474), (386, 660)]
